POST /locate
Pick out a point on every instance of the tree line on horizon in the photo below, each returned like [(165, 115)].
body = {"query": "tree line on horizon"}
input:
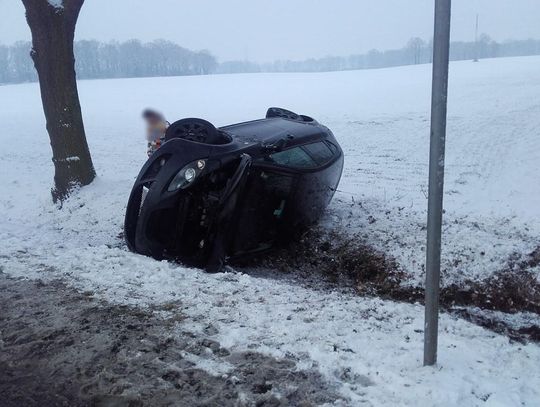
[(416, 51), (133, 59), (98, 60)]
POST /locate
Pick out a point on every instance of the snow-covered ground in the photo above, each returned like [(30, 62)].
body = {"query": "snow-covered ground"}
[(370, 347)]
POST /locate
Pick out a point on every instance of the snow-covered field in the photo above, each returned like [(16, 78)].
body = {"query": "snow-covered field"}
[(381, 118)]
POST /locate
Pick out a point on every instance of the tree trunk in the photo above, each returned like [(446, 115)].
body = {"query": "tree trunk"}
[(53, 31)]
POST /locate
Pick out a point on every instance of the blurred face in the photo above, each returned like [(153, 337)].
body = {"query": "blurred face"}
[(152, 119)]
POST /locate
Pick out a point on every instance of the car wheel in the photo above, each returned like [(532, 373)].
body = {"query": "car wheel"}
[(283, 113), (198, 130)]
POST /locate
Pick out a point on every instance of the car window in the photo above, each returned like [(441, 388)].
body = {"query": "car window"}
[(320, 152), (294, 157), (332, 147)]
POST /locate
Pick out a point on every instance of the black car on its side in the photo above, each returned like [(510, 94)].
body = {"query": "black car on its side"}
[(210, 194)]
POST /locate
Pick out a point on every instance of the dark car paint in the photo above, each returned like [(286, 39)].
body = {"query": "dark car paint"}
[(237, 221)]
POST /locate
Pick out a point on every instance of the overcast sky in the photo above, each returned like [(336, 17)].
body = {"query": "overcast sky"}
[(284, 29)]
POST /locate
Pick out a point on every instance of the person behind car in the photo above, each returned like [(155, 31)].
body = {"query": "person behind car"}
[(156, 126)]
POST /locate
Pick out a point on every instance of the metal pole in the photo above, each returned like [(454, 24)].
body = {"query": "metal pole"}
[(441, 46)]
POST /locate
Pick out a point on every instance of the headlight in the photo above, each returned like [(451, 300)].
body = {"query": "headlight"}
[(190, 174), (186, 175)]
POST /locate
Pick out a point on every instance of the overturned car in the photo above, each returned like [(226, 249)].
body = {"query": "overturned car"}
[(210, 194)]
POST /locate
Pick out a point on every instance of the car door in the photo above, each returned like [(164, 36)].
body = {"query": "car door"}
[(262, 210), (286, 190), (317, 186), (318, 166)]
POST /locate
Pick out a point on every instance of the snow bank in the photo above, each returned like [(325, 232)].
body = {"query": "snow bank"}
[(371, 348)]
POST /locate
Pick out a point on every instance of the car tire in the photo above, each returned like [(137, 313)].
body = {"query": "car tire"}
[(282, 113), (198, 130)]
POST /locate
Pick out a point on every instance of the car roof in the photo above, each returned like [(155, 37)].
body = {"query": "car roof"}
[(267, 130)]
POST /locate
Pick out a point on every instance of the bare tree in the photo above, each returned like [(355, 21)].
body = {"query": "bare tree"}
[(4, 63), (20, 66), (52, 23), (416, 46)]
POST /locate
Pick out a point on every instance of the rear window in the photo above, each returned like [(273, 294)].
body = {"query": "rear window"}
[(320, 152), (295, 157), (332, 147)]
